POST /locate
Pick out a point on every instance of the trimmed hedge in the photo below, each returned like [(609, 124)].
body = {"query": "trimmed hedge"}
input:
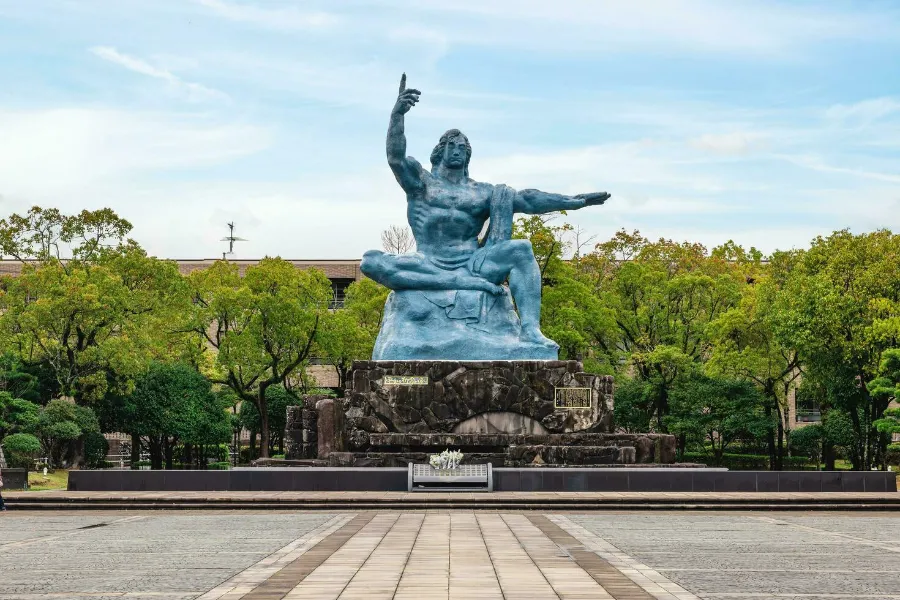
[(749, 462)]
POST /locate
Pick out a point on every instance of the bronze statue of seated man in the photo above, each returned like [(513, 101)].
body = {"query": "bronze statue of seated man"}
[(447, 211)]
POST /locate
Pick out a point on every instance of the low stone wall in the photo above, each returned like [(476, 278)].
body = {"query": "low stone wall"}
[(506, 480), (15, 479)]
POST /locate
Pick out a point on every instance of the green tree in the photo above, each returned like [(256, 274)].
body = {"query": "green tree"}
[(278, 399), (633, 406), (21, 449), (744, 345), (102, 310), (715, 413), (572, 313), (349, 333), (262, 326), (837, 307), (17, 415), (173, 404), (884, 389), (16, 380), (63, 428), (663, 296)]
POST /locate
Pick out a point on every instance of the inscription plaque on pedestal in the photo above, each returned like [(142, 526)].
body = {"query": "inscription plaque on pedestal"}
[(405, 380), (569, 398)]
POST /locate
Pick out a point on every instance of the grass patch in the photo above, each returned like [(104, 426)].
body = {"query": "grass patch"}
[(53, 480)]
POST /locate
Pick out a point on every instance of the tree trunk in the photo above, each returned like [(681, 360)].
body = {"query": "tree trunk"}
[(779, 457), (135, 450), (187, 456), (263, 425), (156, 461), (829, 456), (170, 447), (770, 438)]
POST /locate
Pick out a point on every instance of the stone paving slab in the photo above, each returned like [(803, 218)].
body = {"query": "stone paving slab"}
[(449, 555)]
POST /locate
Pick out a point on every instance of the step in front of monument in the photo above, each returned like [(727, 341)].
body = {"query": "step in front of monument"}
[(570, 455), (522, 449)]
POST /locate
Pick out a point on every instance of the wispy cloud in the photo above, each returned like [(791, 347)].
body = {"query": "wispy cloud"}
[(46, 151), (729, 144), (194, 92), (865, 111), (273, 18)]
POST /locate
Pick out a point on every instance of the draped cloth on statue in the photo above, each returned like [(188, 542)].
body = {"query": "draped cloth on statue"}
[(473, 305), (459, 324)]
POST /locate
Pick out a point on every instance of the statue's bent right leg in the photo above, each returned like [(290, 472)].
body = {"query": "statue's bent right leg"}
[(416, 272)]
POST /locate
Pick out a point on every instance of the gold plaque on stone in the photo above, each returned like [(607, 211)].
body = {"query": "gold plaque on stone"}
[(569, 398), (405, 380)]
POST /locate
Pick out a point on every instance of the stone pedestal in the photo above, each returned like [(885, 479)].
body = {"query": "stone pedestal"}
[(509, 413), (330, 426), (506, 397), (301, 433)]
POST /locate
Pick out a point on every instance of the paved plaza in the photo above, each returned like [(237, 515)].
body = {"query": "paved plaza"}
[(256, 555)]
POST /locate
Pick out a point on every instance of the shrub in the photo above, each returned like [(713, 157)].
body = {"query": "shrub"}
[(749, 462), (95, 450), (21, 449)]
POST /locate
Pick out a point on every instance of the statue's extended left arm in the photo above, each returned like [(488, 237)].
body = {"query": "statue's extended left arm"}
[(536, 202)]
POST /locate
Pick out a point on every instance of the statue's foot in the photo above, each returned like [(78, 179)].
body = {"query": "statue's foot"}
[(533, 335)]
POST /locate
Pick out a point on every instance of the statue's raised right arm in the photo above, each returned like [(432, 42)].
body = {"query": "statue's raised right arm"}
[(406, 169)]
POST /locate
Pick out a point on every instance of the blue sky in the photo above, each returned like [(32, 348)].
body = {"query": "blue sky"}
[(763, 122)]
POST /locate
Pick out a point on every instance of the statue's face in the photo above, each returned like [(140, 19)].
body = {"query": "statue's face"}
[(455, 152)]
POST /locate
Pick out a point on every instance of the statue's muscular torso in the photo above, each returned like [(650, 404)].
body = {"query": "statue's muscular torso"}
[(447, 217)]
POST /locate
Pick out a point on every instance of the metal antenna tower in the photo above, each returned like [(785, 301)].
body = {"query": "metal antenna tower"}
[(231, 239)]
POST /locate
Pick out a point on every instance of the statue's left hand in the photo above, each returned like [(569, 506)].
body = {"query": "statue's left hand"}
[(594, 198)]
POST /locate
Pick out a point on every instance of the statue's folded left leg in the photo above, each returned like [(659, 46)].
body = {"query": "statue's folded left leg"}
[(514, 260), (416, 272)]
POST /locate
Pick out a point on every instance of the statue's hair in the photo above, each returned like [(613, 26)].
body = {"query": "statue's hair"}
[(438, 153)]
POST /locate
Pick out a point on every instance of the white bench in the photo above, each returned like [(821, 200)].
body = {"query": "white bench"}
[(464, 478)]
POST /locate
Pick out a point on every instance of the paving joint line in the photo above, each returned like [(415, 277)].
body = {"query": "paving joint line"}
[(607, 576), (368, 556), (844, 536), (408, 554)]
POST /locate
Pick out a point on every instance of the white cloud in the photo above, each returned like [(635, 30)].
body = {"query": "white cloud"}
[(46, 152), (865, 110), (739, 27), (816, 163), (274, 18), (729, 144), (194, 92)]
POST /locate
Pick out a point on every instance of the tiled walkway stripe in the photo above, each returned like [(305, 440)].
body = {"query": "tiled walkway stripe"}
[(612, 580), (285, 580), (648, 579)]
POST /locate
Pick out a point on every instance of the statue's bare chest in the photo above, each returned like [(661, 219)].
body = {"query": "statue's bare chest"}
[(470, 198)]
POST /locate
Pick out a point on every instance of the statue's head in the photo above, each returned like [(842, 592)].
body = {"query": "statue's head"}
[(453, 151)]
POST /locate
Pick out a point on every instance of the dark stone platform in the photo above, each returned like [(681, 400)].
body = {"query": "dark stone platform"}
[(507, 413), (472, 397), (537, 479), (15, 479)]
